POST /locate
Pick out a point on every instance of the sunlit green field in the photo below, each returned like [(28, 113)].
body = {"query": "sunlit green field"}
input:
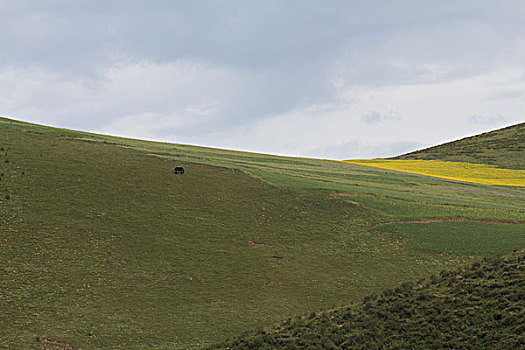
[(101, 245), (459, 237)]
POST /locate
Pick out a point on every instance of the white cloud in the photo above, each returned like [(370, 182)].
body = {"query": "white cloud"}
[(416, 115), (178, 101), (172, 95), (164, 101), (346, 80), (485, 119), (364, 149)]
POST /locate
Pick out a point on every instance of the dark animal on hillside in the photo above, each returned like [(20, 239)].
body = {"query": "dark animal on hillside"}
[(178, 170)]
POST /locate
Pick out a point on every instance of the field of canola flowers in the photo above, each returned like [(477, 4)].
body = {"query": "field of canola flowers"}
[(458, 171)]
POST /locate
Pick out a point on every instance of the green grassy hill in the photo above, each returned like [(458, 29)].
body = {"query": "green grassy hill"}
[(503, 147), (101, 245), (480, 307)]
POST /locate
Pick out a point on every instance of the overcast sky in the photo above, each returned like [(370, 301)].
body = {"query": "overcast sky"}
[(329, 79)]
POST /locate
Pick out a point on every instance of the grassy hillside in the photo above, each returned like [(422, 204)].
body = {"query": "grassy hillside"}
[(504, 148), (101, 245), (480, 307)]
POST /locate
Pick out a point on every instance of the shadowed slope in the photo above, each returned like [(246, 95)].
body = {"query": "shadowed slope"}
[(480, 307)]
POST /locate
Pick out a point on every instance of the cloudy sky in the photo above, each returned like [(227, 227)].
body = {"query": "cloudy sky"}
[(330, 79)]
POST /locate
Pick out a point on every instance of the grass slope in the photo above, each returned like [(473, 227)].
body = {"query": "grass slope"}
[(101, 245), (480, 307), (460, 237), (504, 148)]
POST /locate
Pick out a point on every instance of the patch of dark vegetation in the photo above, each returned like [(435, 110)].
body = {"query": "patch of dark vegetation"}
[(504, 148), (479, 307)]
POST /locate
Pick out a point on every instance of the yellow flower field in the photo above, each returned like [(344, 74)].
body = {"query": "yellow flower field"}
[(459, 171)]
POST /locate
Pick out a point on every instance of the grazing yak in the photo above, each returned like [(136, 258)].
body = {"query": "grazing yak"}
[(178, 170)]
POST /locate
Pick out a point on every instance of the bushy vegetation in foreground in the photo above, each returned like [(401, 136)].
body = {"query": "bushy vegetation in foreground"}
[(480, 307)]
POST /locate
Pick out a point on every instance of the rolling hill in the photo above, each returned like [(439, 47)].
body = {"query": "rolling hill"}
[(103, 246), (479, 307), (504, 148)]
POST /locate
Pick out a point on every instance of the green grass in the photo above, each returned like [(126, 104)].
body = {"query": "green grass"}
[(503, 148), (102, 245), (398, 209), (480, 307), (459, 237)]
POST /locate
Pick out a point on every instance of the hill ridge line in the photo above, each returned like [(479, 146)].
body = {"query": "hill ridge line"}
[(426, 221)]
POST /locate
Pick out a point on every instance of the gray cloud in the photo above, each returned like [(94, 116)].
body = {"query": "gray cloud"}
[(375, 117), (202, 71)]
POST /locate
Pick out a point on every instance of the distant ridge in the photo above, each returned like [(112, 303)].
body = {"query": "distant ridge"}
[(504, 148)]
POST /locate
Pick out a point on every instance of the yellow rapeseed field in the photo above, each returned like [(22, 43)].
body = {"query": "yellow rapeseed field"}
[(459, 171)]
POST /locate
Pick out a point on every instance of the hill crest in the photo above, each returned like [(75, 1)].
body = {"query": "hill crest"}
[(504, 148)]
